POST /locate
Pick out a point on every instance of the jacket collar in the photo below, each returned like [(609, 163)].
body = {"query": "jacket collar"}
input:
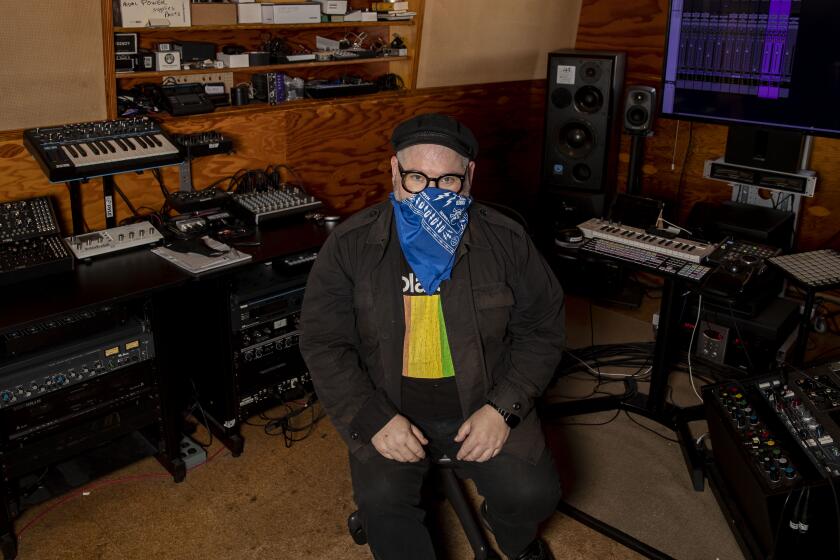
[(382, 229)]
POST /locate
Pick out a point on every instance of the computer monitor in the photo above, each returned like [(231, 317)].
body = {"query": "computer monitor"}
[(763, 63)]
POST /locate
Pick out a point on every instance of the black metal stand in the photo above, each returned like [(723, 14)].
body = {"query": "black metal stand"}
[(804, 327), (108, 200), (76, 213), (611, 532), (634, 171), (652, 405)]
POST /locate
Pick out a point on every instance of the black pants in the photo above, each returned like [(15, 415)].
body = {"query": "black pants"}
[(519, 496)]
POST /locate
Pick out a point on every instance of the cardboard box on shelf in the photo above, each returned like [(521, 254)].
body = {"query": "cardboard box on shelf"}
[(213, 14)]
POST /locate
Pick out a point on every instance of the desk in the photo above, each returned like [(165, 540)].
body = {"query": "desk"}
[(144, 282)]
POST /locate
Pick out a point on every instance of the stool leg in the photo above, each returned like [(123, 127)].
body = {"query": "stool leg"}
[(455, 494)]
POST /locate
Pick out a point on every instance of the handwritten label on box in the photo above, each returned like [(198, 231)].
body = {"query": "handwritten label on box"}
[(143, 13)]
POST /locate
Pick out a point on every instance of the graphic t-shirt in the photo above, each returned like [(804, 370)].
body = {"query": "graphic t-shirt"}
[(429, 391)]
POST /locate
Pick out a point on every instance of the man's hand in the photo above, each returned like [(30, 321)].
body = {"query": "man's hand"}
[(483, 435), (400, 440)]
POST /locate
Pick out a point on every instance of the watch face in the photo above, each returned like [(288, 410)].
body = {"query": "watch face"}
[(512, 420)]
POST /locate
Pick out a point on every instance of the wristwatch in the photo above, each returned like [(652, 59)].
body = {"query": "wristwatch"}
[(511, 419)]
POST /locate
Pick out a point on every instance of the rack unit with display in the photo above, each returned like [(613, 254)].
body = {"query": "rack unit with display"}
[(252, 37)]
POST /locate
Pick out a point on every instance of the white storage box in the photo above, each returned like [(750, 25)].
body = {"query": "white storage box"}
[(233, 60), (333, 7), (308, 12), (249, 13)]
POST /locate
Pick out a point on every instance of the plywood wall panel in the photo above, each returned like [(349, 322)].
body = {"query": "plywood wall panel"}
[(340, 148)]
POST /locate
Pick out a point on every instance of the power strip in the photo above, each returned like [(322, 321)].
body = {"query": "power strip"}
[(192, 453), (209, 78)]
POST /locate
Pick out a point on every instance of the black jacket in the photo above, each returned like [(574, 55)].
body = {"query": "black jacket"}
[(504, 313)]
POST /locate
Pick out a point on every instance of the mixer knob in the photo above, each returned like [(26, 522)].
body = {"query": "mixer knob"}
[(741, 421), (258, 352), (790, 472), (249, 356), (774, 474), (753, 420), (7, 396)]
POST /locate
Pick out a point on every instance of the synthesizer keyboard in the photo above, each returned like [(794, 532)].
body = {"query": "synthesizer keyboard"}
[(79, 151), (265, 205), (655, 262), (692, 251)]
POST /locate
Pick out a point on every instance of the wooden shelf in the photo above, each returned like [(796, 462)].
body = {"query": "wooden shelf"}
[(253, 36), (261, 26), (258, 69), (261, 106)]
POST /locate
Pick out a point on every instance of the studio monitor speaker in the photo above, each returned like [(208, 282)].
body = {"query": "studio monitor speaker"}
[(580, 143), (639, 109)]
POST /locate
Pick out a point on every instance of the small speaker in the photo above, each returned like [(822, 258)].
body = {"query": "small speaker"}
[(764, 148), (580, 147), (193, 51), (639, 109)]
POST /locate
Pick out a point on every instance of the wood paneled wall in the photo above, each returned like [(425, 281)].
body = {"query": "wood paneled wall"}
[(340, 148), (638, 28)]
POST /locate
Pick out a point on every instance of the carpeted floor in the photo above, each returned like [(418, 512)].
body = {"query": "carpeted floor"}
[(292, 503)]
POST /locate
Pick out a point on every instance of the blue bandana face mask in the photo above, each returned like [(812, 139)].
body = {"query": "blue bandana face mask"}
[(430, 225)]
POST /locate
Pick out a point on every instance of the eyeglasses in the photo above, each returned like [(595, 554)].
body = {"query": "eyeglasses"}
[(415, 181)]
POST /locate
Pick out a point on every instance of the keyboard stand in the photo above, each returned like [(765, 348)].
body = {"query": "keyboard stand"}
[(653, 405), (76, 212), (108, 200)]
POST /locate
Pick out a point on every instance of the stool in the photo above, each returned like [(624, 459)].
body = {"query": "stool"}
[(454, 492)]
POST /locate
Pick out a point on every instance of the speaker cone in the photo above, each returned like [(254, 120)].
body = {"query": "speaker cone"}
[(589, 99), (637, 116), (561, 98), (575, 139), (582, 172)]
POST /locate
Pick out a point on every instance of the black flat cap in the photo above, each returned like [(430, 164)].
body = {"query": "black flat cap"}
[(434, 128)]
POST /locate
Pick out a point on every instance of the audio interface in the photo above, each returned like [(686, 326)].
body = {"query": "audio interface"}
[(30, 378)]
